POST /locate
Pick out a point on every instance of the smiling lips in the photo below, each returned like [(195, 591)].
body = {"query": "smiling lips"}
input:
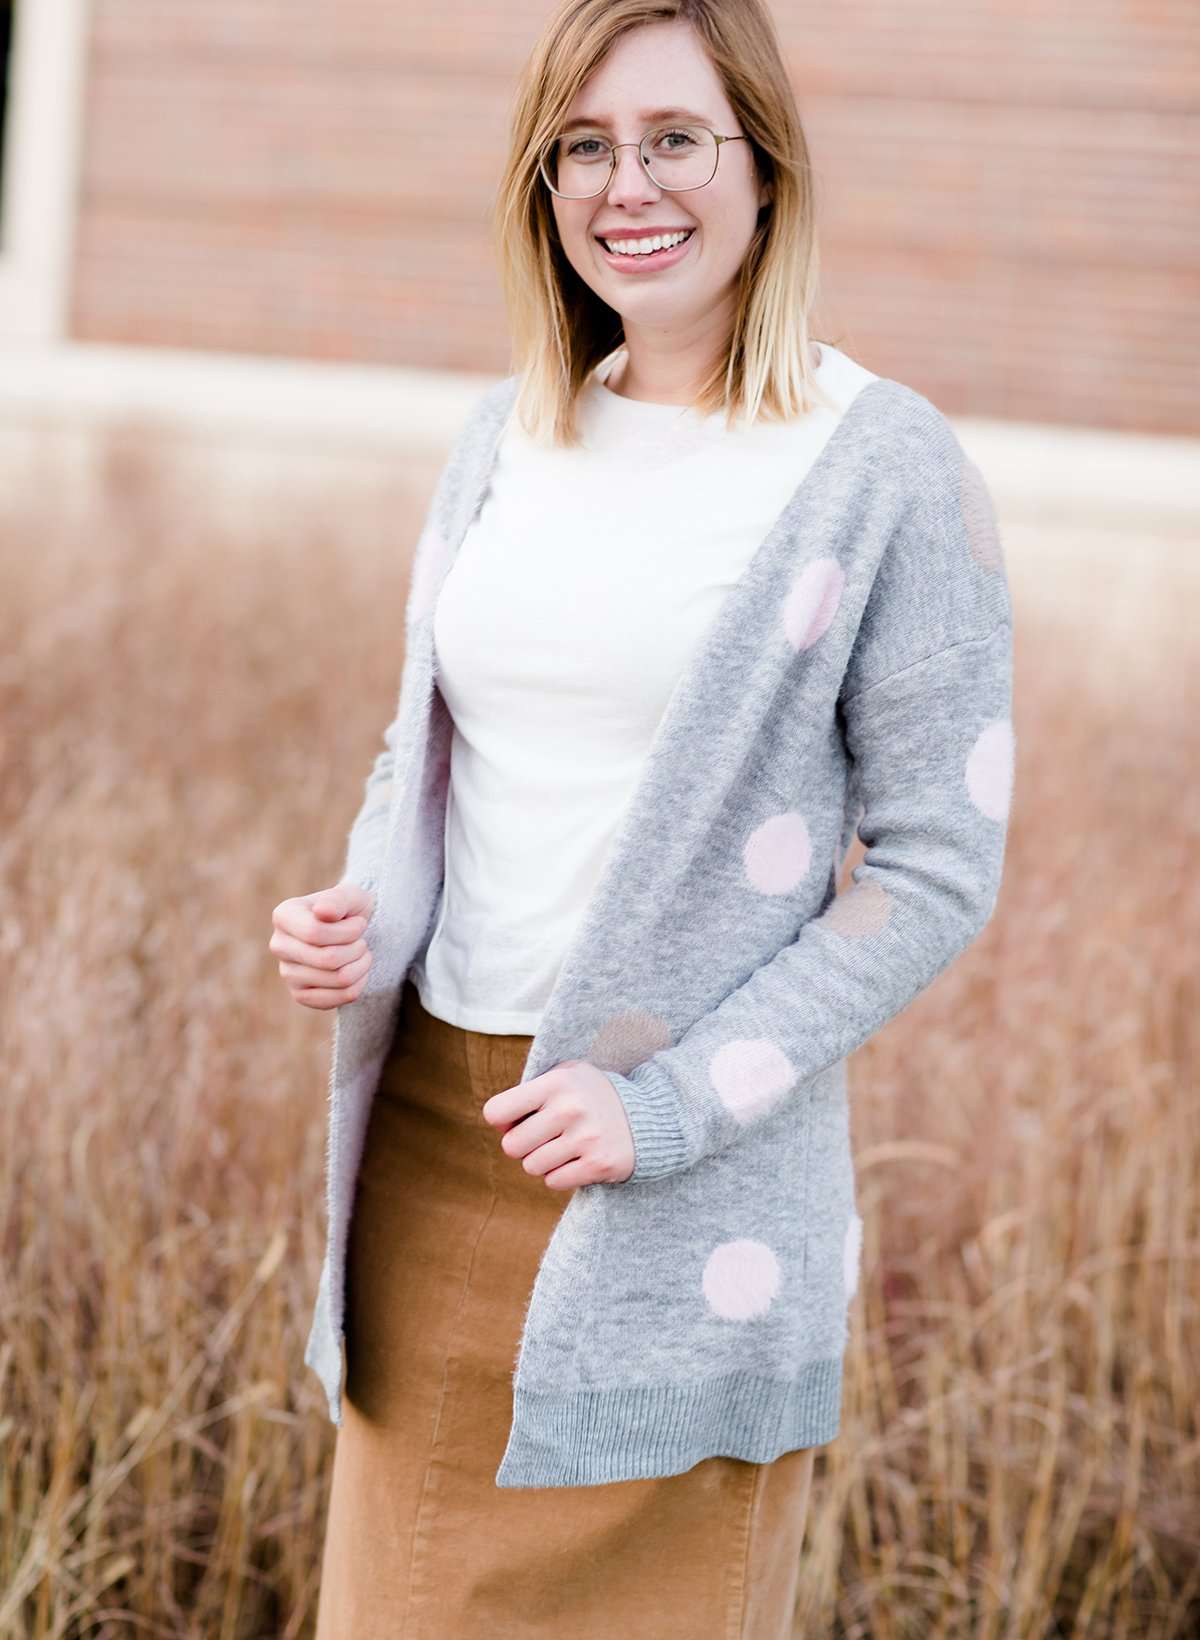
[(630, 261)]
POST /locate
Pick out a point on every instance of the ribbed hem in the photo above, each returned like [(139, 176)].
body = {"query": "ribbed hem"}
[(651, 1103), (587, 1437)]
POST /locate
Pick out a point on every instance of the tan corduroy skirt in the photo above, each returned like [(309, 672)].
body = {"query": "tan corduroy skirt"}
[(420, 1542)]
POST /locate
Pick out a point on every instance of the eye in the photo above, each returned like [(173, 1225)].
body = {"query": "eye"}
[(578, 148), (666, 139)]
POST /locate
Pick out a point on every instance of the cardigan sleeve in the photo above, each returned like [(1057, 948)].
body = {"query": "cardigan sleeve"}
[(363, 862), (925, 714)]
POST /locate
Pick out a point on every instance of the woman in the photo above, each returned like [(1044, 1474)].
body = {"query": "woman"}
[(692, 599)]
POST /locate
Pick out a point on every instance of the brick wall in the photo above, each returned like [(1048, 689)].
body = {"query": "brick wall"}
[(1008, 192)]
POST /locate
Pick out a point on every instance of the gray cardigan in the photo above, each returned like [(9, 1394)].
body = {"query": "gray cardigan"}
[(858, 675)]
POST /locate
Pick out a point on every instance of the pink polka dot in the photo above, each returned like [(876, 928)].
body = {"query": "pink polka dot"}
[(778, 853), (989, 772), (812, 602), (750, 1075), (862, 909), (852, 1255), (741, 1278), (625, 1039)]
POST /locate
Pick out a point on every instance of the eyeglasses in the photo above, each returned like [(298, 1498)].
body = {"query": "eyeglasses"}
[(580, 164)]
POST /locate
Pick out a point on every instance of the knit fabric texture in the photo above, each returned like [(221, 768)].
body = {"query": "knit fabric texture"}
[(858, 676)]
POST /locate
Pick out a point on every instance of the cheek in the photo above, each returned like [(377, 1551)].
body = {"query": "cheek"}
[(728, 224), (575, 240)]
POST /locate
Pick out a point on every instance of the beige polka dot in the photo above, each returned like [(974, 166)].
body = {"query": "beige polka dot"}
[(863, 908), (979, 517), (625, 1039)]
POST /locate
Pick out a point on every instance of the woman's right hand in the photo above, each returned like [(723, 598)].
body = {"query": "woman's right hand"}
[(318, 938)]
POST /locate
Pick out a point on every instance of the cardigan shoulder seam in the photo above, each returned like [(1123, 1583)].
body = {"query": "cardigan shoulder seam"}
[(924, 660)]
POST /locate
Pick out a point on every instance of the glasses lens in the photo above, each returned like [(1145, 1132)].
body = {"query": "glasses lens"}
[(680, 156), (578, 166)]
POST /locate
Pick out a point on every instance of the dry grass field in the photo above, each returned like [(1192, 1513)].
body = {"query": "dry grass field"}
[(185, 722)]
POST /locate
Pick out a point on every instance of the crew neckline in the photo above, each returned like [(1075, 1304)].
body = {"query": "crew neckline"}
[(654, 408)]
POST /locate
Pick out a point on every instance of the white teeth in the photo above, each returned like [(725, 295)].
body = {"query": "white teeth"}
[(643, 247)]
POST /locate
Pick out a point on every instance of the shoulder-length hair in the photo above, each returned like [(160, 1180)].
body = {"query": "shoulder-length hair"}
[(560, 329)]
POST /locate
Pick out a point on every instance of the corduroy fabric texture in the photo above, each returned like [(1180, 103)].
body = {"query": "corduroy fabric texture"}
[(859, 674), (419, 1541)]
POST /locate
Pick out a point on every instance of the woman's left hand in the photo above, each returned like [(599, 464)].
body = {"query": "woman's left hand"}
[(568, 1125)]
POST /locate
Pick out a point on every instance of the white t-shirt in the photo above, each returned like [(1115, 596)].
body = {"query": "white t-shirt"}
[(573, 604)]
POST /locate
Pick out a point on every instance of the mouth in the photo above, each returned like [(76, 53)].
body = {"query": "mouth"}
[(646, 261)]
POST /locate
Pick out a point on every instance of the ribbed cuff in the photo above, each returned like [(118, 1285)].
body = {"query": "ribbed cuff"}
[(651, 1102)]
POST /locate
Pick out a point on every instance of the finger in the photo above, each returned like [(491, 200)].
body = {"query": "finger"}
[(315, 956), (314, 996), (296, 918), (297, 974), (342, 900), (570, 1177), (510, 1104), (531, 1131), (557, 1153)]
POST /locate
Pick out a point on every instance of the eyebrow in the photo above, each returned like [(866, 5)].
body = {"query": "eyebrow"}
[(646, 115)]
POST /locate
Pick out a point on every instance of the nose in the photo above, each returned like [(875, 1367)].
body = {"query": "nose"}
[(630, 181)]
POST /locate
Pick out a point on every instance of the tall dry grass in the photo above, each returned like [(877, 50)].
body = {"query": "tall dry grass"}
[(186, 719)]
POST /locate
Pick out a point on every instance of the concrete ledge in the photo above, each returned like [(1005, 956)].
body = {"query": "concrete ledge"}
[(1086, 476), (265, 398), (242, 417)]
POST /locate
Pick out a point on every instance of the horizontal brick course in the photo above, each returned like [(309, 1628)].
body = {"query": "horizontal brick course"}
[(1006, 195)]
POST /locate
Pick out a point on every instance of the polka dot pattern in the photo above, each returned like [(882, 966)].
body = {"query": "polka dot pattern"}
[(750, 1075), (813, 601), (979, 518), (625, 1039), (862, 909), (741, 1278), (778, 853), (852, 1255), (989, 771)]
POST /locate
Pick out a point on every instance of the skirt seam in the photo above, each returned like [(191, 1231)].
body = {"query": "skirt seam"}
[(737, 1613), (419, 1523)]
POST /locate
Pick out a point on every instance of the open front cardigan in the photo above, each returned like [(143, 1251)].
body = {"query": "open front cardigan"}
[(858, 675)]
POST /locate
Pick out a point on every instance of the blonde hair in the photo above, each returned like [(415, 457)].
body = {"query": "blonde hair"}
[(560, 328)]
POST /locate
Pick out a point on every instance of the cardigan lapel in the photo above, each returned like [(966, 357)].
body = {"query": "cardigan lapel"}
[(672, 765)]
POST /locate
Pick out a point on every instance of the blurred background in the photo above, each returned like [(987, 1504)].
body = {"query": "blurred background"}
[(247, 295)]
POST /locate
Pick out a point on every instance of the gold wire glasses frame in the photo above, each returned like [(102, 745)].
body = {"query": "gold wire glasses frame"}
[(640, 146)]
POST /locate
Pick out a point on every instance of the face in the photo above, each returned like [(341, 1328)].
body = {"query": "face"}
[(690, 291)]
